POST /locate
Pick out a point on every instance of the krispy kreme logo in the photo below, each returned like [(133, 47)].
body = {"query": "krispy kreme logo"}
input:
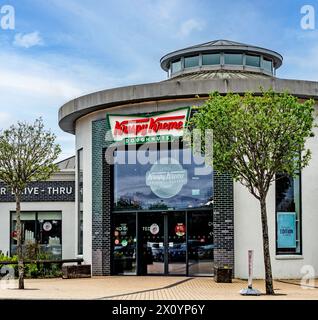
[(137, 128), (148, 125)]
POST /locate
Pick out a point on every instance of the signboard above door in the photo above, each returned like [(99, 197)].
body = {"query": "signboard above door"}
[(136, 129)]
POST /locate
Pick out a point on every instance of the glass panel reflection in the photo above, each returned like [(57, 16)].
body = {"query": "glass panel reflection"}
[(124, 243), (174, 180), (152, 243), (165, 240), (177, 246), (211, 59), (200, 243), (190, 62), (254, 61), (267, 65), (233, 58), (176, 66)]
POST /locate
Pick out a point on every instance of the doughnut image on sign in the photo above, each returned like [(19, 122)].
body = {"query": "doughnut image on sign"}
[(180, 229), (154, 229)]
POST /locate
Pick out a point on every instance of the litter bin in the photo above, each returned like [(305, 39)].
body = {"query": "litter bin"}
[(222, 274)]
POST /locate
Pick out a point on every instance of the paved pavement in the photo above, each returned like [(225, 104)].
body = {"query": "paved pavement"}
[(152, 288)]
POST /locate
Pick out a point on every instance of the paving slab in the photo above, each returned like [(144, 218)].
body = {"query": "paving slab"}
[(154, 288)]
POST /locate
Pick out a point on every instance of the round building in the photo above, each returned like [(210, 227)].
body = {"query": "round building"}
[(151, 212)]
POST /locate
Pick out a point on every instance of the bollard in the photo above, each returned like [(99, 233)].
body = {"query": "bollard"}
[(249, 291)]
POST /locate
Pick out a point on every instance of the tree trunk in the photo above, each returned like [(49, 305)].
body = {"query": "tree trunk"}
[(267, 258), (19, 242)]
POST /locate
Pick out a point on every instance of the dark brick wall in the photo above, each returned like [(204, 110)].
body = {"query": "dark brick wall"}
[(101, 197), (223, 209), (223, 220), (107, 203), (47, 191)]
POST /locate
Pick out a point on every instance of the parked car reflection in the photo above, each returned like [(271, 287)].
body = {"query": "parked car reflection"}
[(206, 251), (177, 252), (157, 251)]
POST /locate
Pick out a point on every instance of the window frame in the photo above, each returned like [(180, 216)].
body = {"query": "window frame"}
[(36, 213), (174, 62), (233, 54), (253, 55), (264, 59), (278, 251), (189, 57), (211, 54), (80, 242)]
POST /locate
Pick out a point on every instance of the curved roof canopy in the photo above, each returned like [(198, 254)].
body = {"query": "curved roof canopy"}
[(220, 46), (191, 82)]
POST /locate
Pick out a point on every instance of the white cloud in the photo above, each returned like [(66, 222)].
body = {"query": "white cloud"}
[(34, 86), (190, 25), (301, 65), (28, 40), (51, 76), (37, 84), (163, 10)]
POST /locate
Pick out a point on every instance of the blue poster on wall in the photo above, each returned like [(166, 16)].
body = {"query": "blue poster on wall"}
[(286, 230)]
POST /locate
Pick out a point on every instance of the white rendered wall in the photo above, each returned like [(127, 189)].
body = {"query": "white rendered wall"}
[(84, 140), (248, 232)]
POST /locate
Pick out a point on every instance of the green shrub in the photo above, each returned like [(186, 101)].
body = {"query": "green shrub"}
[(4, 257), (31, 271), (34, 270)]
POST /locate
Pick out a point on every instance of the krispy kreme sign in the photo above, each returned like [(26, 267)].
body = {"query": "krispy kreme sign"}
[(150, 128)]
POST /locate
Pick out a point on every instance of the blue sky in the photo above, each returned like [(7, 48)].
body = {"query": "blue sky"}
[(61, 49)]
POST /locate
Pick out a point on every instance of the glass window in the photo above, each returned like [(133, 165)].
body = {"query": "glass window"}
[(267, 64), (253, 61), (176, 66), (124, 243), (49, 226), (190, 62), (173, 179), (43, 228), (28, 230), (233, 58), (200, 242), (211, 59), (288, 222), (80, 200)]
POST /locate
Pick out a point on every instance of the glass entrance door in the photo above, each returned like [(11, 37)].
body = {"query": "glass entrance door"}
[(151, 243), (162, 243), (177, 243)]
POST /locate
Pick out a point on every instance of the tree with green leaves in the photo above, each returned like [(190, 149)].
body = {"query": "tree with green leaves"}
[(27, 153), (255, 138)]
